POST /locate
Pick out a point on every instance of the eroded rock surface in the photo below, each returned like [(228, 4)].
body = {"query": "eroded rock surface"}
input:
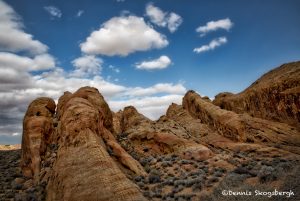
[(274, 96), (37, 131), (81, 150)]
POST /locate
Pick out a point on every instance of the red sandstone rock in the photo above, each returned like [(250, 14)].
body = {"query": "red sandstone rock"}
[(37, 130), (274, 96)]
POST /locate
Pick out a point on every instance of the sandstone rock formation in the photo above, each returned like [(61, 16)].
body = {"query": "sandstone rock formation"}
[(240, 127), (82, 135), (274, 96), (81, 150), (38, 128)]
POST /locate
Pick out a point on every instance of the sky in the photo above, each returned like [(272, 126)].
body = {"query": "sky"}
[(141, 53)]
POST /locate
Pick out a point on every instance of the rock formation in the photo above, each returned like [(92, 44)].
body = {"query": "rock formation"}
[(82, 135), (38, 128), (81, 150), (241, 127), (274, 96)]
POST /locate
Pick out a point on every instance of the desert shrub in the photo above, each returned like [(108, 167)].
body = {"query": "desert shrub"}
[(266, 163), (143, 161), (218, 174), (213, 180), (267, 174), (154, 176), (141, 184), (205, 169), (147, 168), (159, 159), (197, 186), (166, 164), (154, 179), (179, 182), (286, 165), (177, 189), (138, 178), (134, 155), (155, 172), (184, 162), (169, 181), (168, 158), (241, 170)]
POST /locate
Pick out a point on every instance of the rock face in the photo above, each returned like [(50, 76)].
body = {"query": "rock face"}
[(82, 134), (37, 131), (275, 96), (81, 150)]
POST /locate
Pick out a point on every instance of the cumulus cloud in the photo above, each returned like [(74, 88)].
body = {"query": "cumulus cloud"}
[(156, 15), (22, 63), (24, 78), (53, 11), (12, 36), (163, 19), (16, 76), (152, 107), (215, 25), (212, 45), (86, 66), (159, 63), (122, 36), (174, 21)]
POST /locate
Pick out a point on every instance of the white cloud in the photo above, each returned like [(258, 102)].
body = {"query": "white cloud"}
[(163, 19), (212, 45), (156, 89), (86, 66), (152, 107), (12, 37), (156, 15), (174, 21), (160, 63), (215, 25), (24, 78), (79, 13), (122, 36), (16, 69), (22, 63), (53, 11)]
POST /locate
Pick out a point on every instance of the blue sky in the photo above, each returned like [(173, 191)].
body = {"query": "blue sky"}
[(141, 53)]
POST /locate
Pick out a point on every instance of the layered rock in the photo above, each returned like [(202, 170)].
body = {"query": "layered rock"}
[(240, 127), (162, 137), (37, 131), (83, 169), (83, 151), (275, 96), (81, 130)]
